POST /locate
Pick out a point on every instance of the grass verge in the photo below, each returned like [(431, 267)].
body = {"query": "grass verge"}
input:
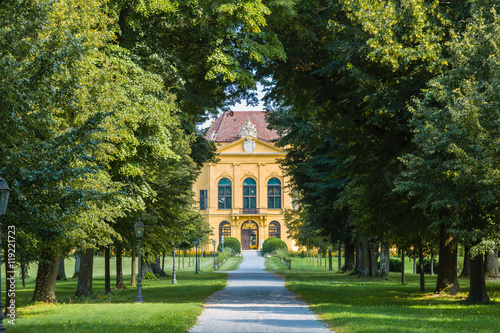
[(349, 304), (167, 307)]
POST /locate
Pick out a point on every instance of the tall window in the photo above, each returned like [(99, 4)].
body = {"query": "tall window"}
[(224, 193), (274, 229), (274, 193), (224, 229), (203, 199), (249, 193)]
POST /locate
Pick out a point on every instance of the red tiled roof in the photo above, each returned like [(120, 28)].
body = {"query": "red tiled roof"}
[(228, 125)]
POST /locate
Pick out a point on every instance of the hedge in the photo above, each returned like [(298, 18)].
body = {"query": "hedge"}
[(395, 265), (272, 244), (427, 266), (231, 242)]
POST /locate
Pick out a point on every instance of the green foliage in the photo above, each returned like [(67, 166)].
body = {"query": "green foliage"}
[(456, 165), (232, 243), (394, 264), (283, 254), (272, 244), (149, 276), (224, 255)]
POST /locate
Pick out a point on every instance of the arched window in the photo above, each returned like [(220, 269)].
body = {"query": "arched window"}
[(274, 193), (224, 193), (224, 229), (274, 229), (249, 193)]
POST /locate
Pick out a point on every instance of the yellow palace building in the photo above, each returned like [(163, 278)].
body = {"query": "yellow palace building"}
[(242, 195)]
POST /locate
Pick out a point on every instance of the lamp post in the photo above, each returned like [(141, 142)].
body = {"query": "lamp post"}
[(196, 242), (4, 201), (174, 280), (222, 242), (215, 242), (139, 233)]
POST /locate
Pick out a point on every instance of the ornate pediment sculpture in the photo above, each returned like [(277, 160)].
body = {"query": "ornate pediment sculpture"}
[(248, 129)]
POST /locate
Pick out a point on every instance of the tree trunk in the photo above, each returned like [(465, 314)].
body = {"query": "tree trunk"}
[(363, 251), (146, 266), (24, 273), (163, 262), (156, 266), (403, 266), (61, 273), (447, 272), (45, 282), (432, 261), (421, 266), (374, 254), (330, 263), (466, 266), (339, 257), (384, 260), (349, 263), (84, 286), (107, 271), (414, 265), (10, 311), (119, 266), (491, 265), (78, 255), (132, 279), (477, 292)]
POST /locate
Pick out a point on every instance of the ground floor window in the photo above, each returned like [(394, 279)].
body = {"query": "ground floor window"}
[(224, 229), (203, 199), (274, 229)]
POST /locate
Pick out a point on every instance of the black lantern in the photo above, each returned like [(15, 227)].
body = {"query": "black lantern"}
[(139, 229)]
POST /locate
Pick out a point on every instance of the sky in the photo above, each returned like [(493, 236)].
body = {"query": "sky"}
[(242, 107)]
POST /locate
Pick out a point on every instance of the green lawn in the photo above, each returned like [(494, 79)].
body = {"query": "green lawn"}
[(349, 304), (167, 308)]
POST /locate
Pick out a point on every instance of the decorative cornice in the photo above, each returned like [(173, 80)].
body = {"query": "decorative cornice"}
[(249, 174), (274, 174), (224, 175)]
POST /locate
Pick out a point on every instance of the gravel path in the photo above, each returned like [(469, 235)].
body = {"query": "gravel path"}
[(256, 301)]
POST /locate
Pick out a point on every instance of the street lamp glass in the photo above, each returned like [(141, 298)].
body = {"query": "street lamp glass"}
[(139, 229), (215, 242), (4, 196)]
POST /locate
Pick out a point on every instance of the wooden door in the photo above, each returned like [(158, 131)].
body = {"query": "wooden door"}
[(245, 239)]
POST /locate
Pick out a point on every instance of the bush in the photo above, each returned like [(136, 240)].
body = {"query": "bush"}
[(272, 244), (222, 256), (231, 242), (394, 264), (149, 276)]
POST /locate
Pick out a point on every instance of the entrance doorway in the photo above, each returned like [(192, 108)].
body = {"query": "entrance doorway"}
[(249, 236)]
